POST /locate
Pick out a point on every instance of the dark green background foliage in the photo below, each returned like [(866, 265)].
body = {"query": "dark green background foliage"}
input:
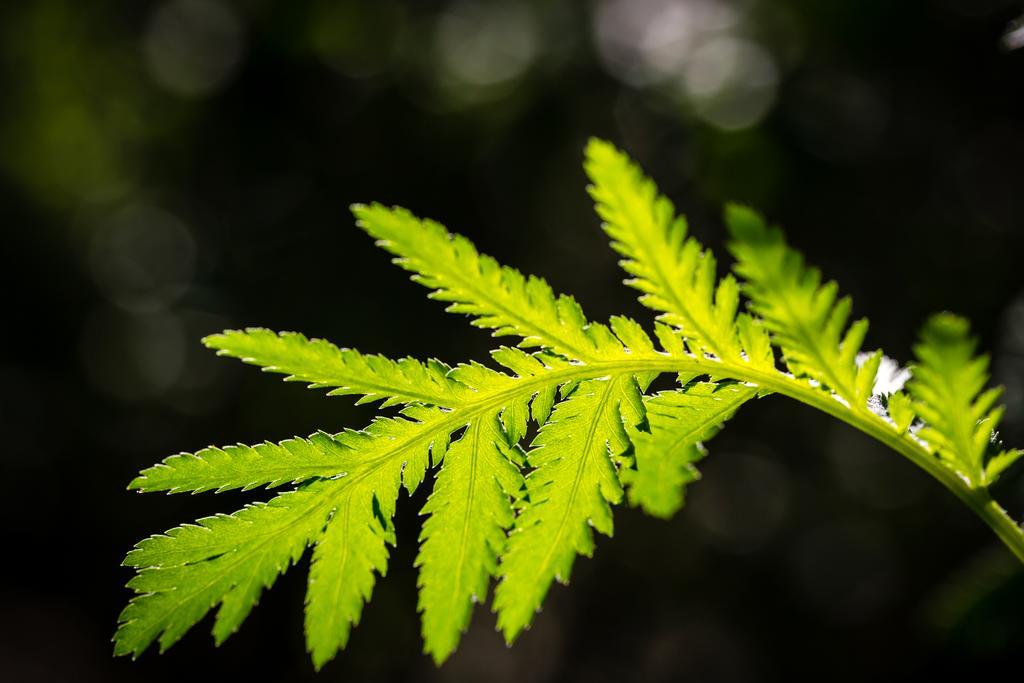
[(171, 169)]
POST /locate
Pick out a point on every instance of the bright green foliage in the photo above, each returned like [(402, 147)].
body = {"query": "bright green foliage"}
[(244, 467), (678, 421), (344, 371), (569, 491), (901, 411), (386, 455), (233, 557), (675, 273), (804, 316), (470, 513), (519, 518), (496, 296), (677, 277), (949, 394), (223, 560)]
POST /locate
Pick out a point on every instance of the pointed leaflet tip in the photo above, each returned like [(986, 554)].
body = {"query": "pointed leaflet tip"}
[(947, 386), (744, 223), (364, 212), (947, 329), (370, 217), (596, 147), (211, 341)]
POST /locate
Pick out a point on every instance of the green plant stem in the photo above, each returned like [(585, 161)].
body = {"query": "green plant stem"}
[(977, 499), (859, 417)]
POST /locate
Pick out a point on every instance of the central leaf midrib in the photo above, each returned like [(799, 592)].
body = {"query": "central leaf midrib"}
[(577, 479), (336, 587), (688, 436), (467, 517)]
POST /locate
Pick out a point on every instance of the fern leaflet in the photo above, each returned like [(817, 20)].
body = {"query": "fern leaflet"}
[(675, 273), (804, 316), (569, 491), (960, 418), (678, 423), (343, 371)]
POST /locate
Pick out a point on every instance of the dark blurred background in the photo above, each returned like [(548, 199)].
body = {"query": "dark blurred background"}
[(170, 169)]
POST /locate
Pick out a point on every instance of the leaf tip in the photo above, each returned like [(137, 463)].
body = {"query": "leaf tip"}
[(744, 223)]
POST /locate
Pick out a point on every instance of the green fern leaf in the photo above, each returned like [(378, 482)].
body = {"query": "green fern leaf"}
[(344, 371), (370, 465), (569, 492), (224, 560), (244, 467), (341, 575), (676, 275), (803, 315), (470, 511), (341, 579), (388, 454), (582, 384), (948, 390), (498, 297), (678, 423), (227, 560)]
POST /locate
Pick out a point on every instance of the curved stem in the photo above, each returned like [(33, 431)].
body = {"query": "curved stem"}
[(999, 520), (977, 499)]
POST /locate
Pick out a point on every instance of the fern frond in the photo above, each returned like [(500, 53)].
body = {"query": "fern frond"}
[(960, 417), (470, 511), (677, 277), (804, 316), (244, 467), (341, 574), (569, 492), (498, 297), (225, 560), (347, 554), (494, 512), (344, 371), (675, 274), (356, 509), (678, 424)]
